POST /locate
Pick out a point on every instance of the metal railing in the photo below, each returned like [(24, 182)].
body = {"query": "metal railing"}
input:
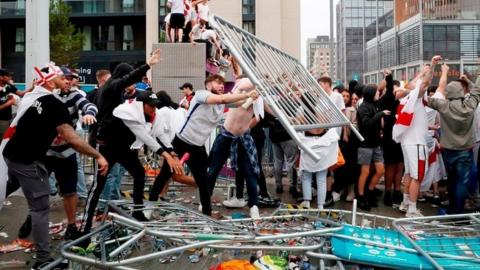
[(288, 88)]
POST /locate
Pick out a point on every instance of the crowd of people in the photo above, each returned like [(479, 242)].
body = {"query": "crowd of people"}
[(414, 135)]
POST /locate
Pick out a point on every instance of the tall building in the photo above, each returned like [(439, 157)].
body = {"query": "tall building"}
[(357, 22), (274, 21), (319, 59), (115, 29), (424, 29)]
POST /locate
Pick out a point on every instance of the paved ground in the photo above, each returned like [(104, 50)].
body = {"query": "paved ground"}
[(12, 216)]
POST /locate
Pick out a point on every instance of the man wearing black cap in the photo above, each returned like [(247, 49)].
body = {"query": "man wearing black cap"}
[(115, 138), (187, 89), (6, 99)]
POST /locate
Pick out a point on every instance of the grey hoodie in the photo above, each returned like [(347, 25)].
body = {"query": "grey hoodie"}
[(457, 116)]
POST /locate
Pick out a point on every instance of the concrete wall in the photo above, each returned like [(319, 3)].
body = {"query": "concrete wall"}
[(277, 21), (230, 10), (182, 62)]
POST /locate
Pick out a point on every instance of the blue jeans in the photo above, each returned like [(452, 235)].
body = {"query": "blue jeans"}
[(458, 164), (321, 177), (218, 156), (81, 185), (111, 191)]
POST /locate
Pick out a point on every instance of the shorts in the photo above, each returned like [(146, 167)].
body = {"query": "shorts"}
[(392, 152), (65, 170), (416, 163), (368, 155), (177, 20)]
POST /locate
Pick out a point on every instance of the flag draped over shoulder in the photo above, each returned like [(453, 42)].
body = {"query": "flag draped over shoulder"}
[(25, 104), (405, 113)]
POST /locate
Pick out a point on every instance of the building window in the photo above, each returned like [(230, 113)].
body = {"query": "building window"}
[(163, 10), (104, 38), (87, 32), (127, 38), (248, 15), (20, 39), (128, 5)]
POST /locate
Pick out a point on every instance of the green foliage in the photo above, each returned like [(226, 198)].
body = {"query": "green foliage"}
[(65, 43)]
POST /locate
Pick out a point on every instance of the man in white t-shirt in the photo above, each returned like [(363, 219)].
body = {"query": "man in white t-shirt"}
[(200, 34), (177, 19), (205, 112), (414, 142)]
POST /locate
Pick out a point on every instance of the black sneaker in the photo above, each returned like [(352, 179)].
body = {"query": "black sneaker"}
[(363, 203), (43, 264), (26, 228), (279, 189), (138, 215), (397, 197), (265, 202), (371, 198), (72, 232), (387, 198), (436, 202), (329, 200)]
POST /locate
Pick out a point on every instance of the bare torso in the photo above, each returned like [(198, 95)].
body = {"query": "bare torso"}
[(237, 120)]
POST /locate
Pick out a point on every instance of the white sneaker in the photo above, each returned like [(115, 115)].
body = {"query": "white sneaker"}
[(335, 196), (305, 204), (200, 208), (415, 214), (235, 203), (254, 212), (403, 207), (350, 197)]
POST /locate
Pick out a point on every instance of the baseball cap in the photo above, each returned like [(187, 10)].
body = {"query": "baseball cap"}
[(66, 71), (186, 85), (148, 98), (141, 86), (4, 72)]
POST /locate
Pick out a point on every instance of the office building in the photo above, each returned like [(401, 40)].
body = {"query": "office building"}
[(318, 56)]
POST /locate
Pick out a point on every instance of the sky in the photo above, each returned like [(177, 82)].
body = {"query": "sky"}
[(315, 21)]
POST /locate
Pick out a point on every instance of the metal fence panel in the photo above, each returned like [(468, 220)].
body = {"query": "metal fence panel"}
[(289, 89)]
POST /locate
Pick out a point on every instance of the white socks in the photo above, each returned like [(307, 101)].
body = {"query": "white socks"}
[(412, 207), (406, 199)]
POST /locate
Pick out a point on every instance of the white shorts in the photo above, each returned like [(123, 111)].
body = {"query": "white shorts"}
[(415, 160)]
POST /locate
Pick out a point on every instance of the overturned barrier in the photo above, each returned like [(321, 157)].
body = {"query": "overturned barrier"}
[(288, 88)]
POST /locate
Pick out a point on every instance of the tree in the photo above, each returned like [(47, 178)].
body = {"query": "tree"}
[(65, 42)]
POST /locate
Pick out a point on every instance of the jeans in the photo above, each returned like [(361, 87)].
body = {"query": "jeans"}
[(286, 151), (321, 177), (219, 154), (262, 183), (111, 191), (81, 184), (458, 164), (198, 164)]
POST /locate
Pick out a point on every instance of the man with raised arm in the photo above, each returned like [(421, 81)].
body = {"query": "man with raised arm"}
[(205, 112)]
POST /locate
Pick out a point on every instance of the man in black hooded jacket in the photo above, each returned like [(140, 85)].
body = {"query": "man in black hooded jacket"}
[(369, 125), (114, 138)]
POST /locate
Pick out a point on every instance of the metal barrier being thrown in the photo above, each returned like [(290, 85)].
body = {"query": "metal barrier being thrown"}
[(288, 88)]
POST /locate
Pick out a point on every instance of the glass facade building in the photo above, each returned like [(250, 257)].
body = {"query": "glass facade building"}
[(357, 22), (423, 29), (114, 32)]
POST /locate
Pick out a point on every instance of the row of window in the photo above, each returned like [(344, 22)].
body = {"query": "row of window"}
[(97, 38)]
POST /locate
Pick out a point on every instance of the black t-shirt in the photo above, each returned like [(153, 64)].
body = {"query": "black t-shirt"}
[(6, 114), (36, 130)]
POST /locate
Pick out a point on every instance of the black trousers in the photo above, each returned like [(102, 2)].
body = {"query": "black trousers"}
[(129, 160), (198, 164)]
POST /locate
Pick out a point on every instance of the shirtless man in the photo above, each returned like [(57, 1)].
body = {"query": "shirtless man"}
[(205, 112), (235, 135)]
